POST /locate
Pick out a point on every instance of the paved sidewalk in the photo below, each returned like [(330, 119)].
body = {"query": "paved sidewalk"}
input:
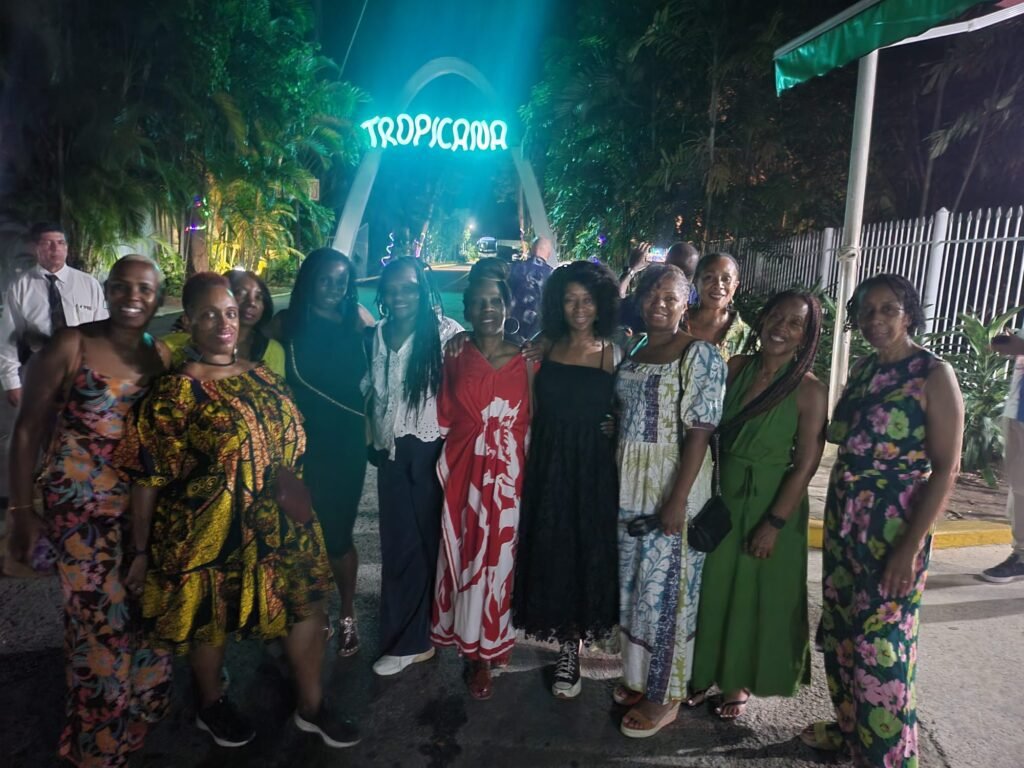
[(970, 678)]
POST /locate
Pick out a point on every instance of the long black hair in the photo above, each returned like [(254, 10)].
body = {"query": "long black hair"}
[(781, 388), (300, 308), (261, 338), (598, 282), (423, 374)]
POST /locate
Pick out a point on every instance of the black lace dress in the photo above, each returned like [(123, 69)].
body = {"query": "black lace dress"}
[(566, 582)]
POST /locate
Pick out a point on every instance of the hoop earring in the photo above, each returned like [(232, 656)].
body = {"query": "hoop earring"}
[(512, 320)]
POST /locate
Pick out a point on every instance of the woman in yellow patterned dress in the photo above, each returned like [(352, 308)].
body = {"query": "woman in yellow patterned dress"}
[(224, 557)]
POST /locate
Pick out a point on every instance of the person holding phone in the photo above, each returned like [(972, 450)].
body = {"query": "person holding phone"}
[(1012, 568), (671, 391), (681, 255)]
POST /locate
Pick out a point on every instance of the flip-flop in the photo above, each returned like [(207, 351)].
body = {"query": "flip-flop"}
[(650, 727), (625, 697), (823, 736), (697, 698), (740, 704)]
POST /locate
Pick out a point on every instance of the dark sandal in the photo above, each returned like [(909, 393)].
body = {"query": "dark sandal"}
[(478, 679), (697, 698), (348, 644), (739, 704)]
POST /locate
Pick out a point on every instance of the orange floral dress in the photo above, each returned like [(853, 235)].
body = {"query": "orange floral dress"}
[(116, 684)]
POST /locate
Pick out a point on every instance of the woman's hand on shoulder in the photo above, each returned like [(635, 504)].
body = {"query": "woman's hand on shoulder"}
[(536, 349), (454, 346), (164, 353), (365, 316)]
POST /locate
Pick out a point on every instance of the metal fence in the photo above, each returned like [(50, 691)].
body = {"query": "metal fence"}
[(967, 262)]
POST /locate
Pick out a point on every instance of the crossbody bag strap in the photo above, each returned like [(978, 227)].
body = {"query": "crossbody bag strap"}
[(311, 388)]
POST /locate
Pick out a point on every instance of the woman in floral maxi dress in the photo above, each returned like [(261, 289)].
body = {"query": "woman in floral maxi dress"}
[(483, 409), (117, 683), (899, 426), (671, 391)]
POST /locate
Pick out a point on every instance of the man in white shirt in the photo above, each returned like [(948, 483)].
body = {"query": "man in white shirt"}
[(47, 295), (1012, 568)]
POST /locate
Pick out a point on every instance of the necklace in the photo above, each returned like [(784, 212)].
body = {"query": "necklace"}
[(195, 356), (234, 358)]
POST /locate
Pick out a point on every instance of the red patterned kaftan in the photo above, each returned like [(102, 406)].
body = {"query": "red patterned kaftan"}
[(485, 415)]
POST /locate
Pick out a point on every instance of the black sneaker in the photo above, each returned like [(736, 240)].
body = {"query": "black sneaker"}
[(1011, 569), (335, 729), (227, 726), (567, 672)]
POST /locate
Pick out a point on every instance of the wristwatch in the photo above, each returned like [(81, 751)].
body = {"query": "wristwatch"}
[(775, 521)]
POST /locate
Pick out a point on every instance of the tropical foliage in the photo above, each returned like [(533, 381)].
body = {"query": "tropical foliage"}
[(658, 120), (147, 118), (983, 379)]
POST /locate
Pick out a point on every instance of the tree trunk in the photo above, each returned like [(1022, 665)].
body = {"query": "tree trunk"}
[(713, 119), (197, 256), (926, 185)]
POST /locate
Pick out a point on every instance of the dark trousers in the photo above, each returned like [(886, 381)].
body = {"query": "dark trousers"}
[(410, 534)]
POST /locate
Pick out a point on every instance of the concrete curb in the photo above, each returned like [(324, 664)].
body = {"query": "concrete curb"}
[(948, 534)]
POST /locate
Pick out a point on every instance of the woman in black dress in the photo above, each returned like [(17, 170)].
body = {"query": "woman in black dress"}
[(566, 585), (322, 330)]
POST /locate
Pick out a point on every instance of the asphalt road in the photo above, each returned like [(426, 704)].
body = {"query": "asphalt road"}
[(970, 678)]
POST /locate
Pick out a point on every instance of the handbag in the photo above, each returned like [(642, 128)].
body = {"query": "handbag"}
[(714, 521), (292, 495)]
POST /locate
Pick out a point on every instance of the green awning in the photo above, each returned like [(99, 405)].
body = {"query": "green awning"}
[(860, 29)]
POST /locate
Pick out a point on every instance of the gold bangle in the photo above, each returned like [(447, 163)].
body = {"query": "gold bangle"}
[(19, 507)]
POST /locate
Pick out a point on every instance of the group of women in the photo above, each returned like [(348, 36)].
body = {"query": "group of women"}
[(546, 489)]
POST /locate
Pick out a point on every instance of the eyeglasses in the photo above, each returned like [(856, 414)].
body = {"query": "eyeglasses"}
[(886, 310)]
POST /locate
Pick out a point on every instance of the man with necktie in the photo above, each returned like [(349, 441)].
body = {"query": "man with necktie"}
[(49, 296)]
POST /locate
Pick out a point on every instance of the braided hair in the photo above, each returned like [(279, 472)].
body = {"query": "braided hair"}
[(899, 285), (782, 387), (423, 374)]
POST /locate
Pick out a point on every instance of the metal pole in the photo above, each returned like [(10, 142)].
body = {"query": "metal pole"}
[(849, 248), (936, 261)]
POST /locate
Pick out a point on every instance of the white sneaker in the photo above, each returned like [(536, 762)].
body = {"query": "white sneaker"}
[(392, 665)]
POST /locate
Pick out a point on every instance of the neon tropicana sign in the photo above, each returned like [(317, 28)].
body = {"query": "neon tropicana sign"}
[(443, 132)]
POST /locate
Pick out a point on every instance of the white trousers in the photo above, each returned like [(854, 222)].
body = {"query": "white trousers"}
[(1013, 465)]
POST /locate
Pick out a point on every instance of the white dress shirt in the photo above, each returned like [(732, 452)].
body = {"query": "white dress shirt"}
[(391, 415), (26, 314)]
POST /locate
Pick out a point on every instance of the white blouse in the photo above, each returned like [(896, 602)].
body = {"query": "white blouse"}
[(391, 415)]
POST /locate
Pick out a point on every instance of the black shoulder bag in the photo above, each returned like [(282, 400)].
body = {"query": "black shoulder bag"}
[(714, 521)]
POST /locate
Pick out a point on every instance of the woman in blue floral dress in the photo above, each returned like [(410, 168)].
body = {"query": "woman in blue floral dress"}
[(671, 391), (899, 426)]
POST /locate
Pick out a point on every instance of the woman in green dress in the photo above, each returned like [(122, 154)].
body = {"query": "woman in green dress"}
[(752, 626)]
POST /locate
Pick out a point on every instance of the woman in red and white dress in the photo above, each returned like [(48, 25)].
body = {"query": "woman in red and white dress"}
[(484, 410)]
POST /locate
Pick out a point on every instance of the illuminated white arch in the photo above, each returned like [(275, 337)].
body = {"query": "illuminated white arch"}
[(359, 193)]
